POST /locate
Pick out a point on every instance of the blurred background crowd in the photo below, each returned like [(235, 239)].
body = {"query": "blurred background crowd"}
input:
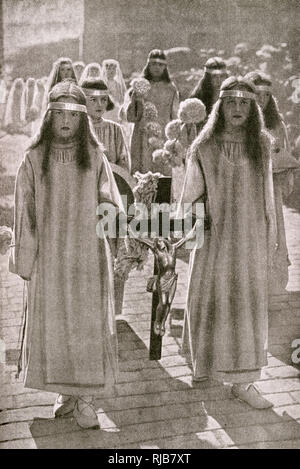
[(22, 98)]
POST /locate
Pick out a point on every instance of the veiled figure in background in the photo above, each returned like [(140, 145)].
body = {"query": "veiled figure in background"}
[(113, 77), (12, 121)]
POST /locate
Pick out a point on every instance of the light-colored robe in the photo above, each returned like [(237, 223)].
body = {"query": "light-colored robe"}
[(110, 134), (283, 185), (225, 326), (70, 341), (166, 100)]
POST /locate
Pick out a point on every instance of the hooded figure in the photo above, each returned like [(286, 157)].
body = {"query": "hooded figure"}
[(283, 165), (113, 77), (29, 112), (59, 249), (13, 122), (229, 170), (92, 70), (78, 69), (62, 69)]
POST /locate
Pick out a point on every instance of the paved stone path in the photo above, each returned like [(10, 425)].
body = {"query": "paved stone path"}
[(155, 404)]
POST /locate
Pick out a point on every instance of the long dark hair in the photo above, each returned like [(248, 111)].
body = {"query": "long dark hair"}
[(45, 135), (204, 89), (271, 113), (156, 54), (256, 134)]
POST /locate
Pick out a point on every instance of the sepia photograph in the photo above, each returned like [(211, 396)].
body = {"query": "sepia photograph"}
[(149, 227)]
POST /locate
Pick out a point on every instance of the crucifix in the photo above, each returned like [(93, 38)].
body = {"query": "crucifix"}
[(164, 281), (154, 188)]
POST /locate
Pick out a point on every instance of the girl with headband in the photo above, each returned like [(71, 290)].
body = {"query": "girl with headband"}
[(283, 165), (109, 133), (164, 95), (70, 338), (226, 318), (207, 90)]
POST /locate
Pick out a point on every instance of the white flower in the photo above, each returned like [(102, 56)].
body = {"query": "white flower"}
[(161, 157), (172, 129), (5, 239), (192, 111), (141, 86), (150, 112), (155, 143), (153, 129)]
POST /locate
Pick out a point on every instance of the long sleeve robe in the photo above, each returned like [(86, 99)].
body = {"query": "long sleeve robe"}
[(166, 100), (225, 327), (283, 185), (111, 136), (70, 341)]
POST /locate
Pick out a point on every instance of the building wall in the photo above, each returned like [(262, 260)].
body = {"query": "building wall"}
[(37, 32)]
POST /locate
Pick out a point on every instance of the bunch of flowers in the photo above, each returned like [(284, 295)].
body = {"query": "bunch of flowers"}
[(132, 254), (173, 129), (141, 86), (146, 188), (162, 157), (5, 239), (149, 111), (153, 129), (155, 142), (192, 111)]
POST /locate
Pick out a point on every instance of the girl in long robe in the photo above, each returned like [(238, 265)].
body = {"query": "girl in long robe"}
[(164, 95), (70, 340), (109, 133), (226, 318), (283, 164)]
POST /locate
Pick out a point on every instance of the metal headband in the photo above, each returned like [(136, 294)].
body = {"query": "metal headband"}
[(160, 61), (66, 107), (90, 92), (237, 94), (215, 71), (263, 88)]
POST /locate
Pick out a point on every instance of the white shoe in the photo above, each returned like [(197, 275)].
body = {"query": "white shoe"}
[(63, 405), (252, 396), (85, 414)]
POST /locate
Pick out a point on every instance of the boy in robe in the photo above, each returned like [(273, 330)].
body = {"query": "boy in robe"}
[(109, 133)]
